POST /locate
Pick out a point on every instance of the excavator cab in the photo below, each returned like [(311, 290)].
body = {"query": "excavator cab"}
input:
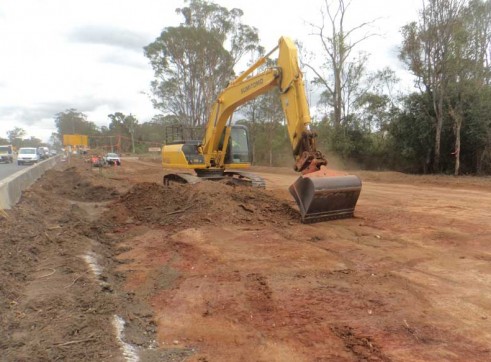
[(238, 148)]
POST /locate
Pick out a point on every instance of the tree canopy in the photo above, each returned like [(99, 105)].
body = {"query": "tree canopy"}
[(72, 121), (194, 61)]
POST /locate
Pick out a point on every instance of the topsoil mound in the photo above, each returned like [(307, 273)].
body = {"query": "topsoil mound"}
[(207, 201), (73, 186)]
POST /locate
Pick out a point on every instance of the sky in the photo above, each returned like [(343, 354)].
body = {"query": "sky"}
[(88, 54)]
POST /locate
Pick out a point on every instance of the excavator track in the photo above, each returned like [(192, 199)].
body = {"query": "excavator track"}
[(237, 177), (180, 178), (246, 179)]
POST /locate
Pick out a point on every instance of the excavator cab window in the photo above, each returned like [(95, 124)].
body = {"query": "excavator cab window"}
[(238, 150)]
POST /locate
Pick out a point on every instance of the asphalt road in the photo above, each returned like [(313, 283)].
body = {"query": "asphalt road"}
[(7, 169)]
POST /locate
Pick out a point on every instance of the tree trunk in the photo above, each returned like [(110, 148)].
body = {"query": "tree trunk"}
[(428, 163), (338, 99), (457, 147), (456, 115), (438, 134), (253, 161)]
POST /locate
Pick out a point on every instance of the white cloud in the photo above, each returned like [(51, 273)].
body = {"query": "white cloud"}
[(112, 36)]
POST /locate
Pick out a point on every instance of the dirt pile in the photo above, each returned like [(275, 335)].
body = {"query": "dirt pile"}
[(72, 185), (206, 202), (22, 234)]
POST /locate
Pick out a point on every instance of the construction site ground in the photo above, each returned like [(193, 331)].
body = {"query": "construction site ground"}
[(107, 264)]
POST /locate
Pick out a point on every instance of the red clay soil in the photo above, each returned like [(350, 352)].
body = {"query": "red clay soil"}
[(214, 272)]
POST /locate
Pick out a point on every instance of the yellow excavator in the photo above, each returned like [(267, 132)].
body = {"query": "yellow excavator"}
[(224, 149)]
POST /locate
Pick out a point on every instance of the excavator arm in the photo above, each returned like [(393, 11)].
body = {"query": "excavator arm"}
[(235, 95), (296, 109), (287, 77)]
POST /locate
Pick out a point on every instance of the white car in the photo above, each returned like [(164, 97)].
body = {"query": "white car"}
[(27, 156), (112, 159)]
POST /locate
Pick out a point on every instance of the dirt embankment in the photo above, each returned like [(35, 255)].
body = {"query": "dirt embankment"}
[(50, 306)]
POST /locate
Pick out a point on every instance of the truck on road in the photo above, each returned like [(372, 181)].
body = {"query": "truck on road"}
[(7, 153)]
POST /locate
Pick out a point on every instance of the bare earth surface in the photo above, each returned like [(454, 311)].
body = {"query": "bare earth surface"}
[(110, 265)]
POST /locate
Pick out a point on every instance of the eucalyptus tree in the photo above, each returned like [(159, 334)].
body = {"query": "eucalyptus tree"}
[(271, 126), (341, 75), (54, 141), (15, 136), (375, 106), (471, 75), (410, 135), (122, 124), (265, 119), (194, 61), (446, 51), (72, 121), (426, 51)]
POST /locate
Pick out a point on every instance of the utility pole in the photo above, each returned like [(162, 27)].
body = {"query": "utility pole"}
[(131, 128), (132, 132)]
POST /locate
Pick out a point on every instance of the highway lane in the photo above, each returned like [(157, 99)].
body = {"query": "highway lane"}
[(7, 169)]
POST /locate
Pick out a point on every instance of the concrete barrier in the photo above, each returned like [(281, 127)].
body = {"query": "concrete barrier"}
[(11, 187)]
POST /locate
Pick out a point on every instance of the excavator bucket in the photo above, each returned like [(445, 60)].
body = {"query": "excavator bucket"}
[(320, 197)]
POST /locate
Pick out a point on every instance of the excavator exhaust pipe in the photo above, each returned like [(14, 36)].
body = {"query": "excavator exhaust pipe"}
[(326, 198)]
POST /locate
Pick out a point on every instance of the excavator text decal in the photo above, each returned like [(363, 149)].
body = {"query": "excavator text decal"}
[(252, 85)]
